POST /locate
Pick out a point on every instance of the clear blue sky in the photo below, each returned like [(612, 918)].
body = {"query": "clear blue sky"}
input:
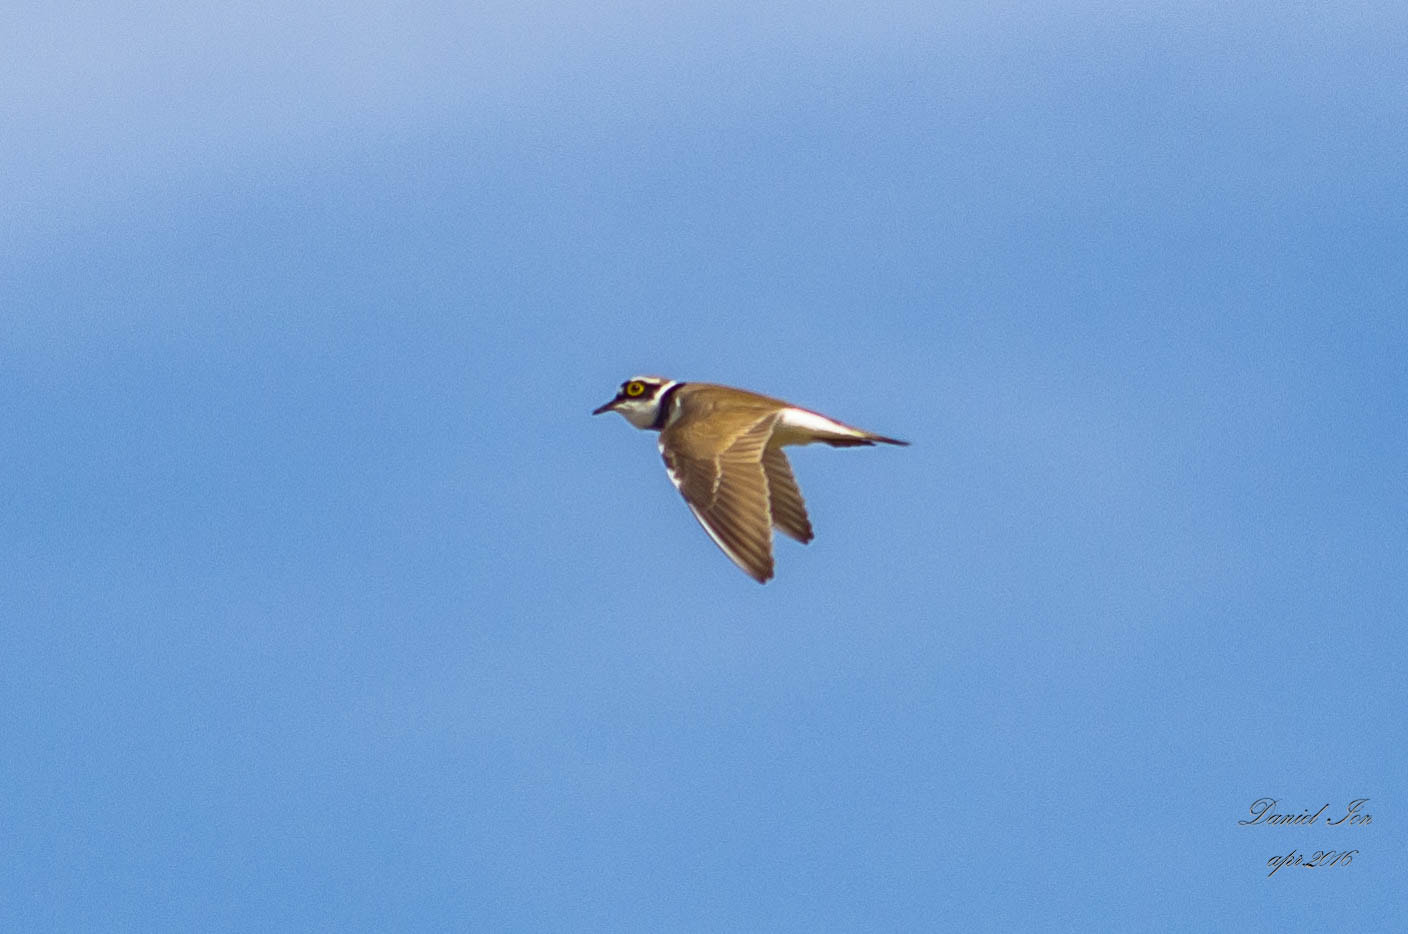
[(327, 606)]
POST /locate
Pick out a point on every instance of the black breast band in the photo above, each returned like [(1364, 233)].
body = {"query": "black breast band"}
[(662, 414)]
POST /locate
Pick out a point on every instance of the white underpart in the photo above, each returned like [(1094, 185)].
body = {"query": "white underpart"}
[(802, 426), (639, 412)]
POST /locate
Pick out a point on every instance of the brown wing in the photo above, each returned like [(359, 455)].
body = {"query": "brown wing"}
[(789, 511), (718, 468)]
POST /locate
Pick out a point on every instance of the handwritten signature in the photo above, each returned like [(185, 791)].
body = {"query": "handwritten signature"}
[(1264, 813)]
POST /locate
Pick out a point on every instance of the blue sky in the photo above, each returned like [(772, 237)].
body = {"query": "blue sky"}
[(329, 606)]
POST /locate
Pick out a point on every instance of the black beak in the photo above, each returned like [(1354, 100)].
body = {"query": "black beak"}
[(607, 407)]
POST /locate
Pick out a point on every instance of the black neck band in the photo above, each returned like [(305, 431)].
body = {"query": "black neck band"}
[(662, 414)]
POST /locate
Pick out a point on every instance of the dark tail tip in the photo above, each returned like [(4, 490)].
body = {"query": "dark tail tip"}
[(869, 441)]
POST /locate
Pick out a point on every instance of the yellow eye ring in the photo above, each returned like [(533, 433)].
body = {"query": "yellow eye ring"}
[(634, 389)]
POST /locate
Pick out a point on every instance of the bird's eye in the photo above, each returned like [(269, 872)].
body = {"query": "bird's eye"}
[(635, 388)]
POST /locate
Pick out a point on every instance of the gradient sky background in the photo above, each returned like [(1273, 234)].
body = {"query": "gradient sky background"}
[(327, 606)]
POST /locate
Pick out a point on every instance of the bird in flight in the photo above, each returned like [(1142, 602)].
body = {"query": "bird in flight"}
[(723, 451)]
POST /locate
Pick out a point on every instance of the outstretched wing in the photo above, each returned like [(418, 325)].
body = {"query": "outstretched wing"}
[(719, 471)]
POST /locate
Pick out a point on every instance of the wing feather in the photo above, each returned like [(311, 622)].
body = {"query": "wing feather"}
[(725, 485), (789, 510)]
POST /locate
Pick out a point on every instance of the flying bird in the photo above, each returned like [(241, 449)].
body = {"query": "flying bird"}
[(723, 451)]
